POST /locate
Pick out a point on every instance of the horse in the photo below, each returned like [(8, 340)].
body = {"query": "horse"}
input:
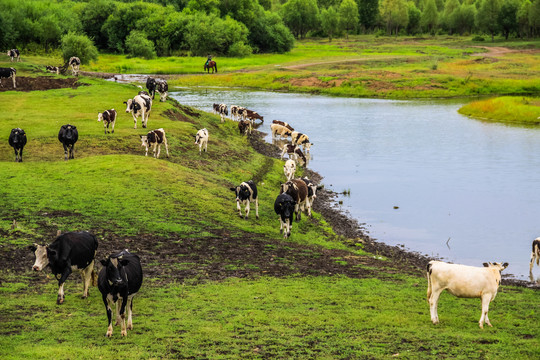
[(210, 65)]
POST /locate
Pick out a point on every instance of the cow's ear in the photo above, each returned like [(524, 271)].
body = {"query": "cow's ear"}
[(505, 265), (485, 264), (232, 189), (103, 262), (125, 102), (32, 248)]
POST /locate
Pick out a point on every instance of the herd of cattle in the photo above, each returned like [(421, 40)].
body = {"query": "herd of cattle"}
[(121, 275)]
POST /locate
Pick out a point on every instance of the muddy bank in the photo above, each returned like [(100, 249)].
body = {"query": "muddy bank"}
[(38, 83)]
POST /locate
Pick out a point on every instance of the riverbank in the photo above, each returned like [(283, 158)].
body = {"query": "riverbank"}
[(512, 110)]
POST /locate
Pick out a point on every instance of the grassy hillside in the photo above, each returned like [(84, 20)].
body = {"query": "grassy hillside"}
[(216, 286)]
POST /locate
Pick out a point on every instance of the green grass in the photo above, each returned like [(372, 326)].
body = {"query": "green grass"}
[(516, 110)]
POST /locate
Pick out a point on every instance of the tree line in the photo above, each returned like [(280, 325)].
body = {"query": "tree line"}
[(242, 27)]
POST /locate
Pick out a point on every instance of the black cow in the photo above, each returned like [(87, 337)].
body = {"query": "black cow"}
[(284, 207), (69, 251), (17, 140), (14, 54), (6, 73), (151, 86), (68, 136), (120, 279), (246, 193)]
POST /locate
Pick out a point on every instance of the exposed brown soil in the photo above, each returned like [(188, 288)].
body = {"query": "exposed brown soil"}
[(39, 83)]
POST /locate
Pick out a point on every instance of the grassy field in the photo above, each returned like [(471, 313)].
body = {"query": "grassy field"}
[(216, 286), (521, 110)]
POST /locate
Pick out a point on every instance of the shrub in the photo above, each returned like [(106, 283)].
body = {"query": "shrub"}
[(478, 38), (80, 46), (239, 49), (138, 45)]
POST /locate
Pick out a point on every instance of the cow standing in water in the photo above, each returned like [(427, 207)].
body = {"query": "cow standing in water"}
[(119, 280), (70, 251)]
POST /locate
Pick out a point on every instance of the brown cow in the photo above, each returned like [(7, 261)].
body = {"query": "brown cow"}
[(298, 190)]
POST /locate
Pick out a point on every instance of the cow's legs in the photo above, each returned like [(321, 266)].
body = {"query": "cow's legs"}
[(108, 308), (433, 301), (247, 208), (134, 120), (72, 151), (87, 278), (485, 308), (298, 212), (14, 82), (130, 313), (20, 154), (281, 226), (167, 149), (65, 152), (60, 297), (158, 146), (17, 160), (238, 208), (257, 208), (112, 126), (143, 118), (288, 226), (123, 315)]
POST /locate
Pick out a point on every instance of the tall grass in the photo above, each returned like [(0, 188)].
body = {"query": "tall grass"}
[(520, 110)]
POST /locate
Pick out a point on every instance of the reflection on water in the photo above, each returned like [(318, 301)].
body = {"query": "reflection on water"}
[(418, 173)]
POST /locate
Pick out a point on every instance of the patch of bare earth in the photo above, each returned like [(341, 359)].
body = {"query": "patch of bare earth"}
[(38, 83)]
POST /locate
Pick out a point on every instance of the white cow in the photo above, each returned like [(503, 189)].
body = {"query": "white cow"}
[(139, 105), (463, 281), (201, 138), (289, 169), (535, 255)]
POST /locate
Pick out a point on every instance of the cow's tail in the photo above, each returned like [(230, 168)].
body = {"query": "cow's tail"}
[(428, 273)]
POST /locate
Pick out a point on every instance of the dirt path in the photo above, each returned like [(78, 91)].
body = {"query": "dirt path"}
[(496, 51)]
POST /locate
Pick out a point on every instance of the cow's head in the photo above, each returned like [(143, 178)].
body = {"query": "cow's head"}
[(243, 192), (41, 253), (200, 135), (312, 188), (144, 140), (163, 96), (496, 265), (113, 270), (129, 105), (69, 132), (17, 135), (99, 116)]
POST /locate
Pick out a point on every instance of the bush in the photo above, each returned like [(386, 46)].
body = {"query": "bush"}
[(138, 45), (478, 38), (239, 49), (80, 46)]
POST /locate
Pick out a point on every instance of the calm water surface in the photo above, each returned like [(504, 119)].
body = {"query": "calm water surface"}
[(466, 191)]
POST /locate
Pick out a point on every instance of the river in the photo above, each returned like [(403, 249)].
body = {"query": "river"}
[(420, 175)]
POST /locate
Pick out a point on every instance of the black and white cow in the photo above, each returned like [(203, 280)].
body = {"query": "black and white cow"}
[(163, 89), (312, 191), (223, 111), (236, 112), (284, 206), (68, 136), (201, 138), (294, 152), (74, 62), (14, 54), (244, 126), (299, 192), (109, 118), (53, 69), (70, 251), (151, 86), (535, 254), (154, 139), (17, 140), (140, 105), (246, 193), (119, 280), (301, 140), (6, 73)]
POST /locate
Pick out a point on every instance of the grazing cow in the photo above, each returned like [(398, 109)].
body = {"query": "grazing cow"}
[(17, 140), (246, 193), (70, 251), (289, 169), (535, 255), (284, 206), (74, 62), (139, 105), (244, 126), (301, 140), (215, 108), (280, 130), (463, 281), (53, 69), (312, 191), (154, 139), (201, 138), (294, 153), (68, 136), (151, 86), (109, 118), (283, 123), (163, 89), (14, 54), (234, 112), (299, 192), (223, 111), (119, 280), (6, 73), (253, 115)]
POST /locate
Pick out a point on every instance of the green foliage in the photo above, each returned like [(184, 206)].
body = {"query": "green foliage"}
[(430, 16), (329, 19), (138, 45), (80, 46), (487, 16), (394, 14), (348, 16), (268, 34), (301, 16)]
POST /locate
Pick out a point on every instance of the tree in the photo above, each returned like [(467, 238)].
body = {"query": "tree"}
[(368, 11), (487, 15), (138, 45), (300, 16), (430, 16), (534, 17), (330, 21), (93, 15), (395, 14), (348, 16), (413, 26), (449, 8), (507, 18), (462, 19), (268, 33), (523, 19), (80, 46)]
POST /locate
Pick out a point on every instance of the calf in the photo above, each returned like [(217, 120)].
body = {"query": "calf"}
[(246, 193), (201, 138), (140, 105), (535, 255), (282, 123), (17, 140), (463, 281), (151, 86), (14, 54), (223, 111), (284, 206), (312, 191), (109, 118), (163, 89), (68, 136), (235, 112), (53, 69), (70, 251), (244, 126), (74, 62), (154, 139), (289, 169), (6, 73), (301, 140), (120, 279), (299, 192), (280, 130)]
